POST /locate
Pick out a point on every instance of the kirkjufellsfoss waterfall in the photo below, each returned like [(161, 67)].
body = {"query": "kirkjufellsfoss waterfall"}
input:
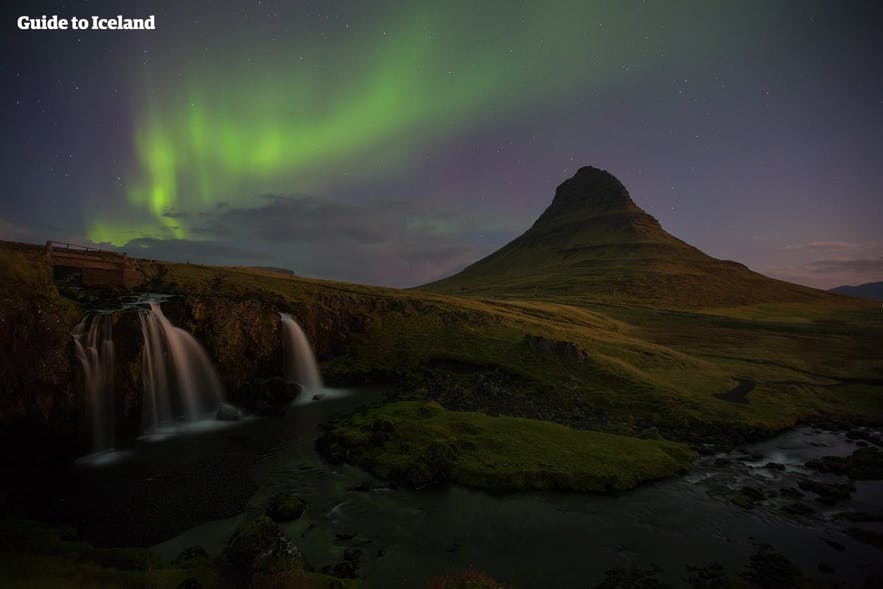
[(180, 383), (300, 363), (93, 342)]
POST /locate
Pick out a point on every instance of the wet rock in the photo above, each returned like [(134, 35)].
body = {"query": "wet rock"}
[(790, 493), (828, 493), (742, 501), (349, 568), (269, 397), (285, 507), (262, 546), (316, 397), (753, 493), (865, 464), (775, 466), (798, 508), (722, 462), (769, 569), (227, 412), (835, 545)]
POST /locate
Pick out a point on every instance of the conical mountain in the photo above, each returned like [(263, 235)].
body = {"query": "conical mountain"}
[(594, 244)]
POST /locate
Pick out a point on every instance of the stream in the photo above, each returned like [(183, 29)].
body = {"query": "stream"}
[(220, 476)]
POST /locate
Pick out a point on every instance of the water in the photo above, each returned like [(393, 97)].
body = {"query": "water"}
[(536, 539), (93, 343), (300, 361), (180, 383)]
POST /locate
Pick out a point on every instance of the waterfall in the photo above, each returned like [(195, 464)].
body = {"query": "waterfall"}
[(93, 342), (300, 362), (180, 382)]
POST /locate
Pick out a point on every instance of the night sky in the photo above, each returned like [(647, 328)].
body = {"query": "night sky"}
[(395, 143)]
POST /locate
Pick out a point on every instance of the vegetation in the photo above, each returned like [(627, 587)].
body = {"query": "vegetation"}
[(469, 579), (421, 443)]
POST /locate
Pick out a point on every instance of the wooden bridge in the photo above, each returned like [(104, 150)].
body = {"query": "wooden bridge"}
[(99, 268)]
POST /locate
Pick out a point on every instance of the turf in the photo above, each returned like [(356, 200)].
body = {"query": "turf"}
[(422, 443)]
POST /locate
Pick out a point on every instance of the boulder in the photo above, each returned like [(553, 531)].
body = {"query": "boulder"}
[(227, 412), (261, 546), (269, 397)]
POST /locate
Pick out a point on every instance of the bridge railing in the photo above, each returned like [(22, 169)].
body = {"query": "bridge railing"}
[(81, 249)]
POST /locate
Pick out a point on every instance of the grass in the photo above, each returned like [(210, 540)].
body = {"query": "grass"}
[(645, 366), (422, 443)]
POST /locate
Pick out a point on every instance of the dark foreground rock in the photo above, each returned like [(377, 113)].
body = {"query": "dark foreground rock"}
[(262, 546), (865, 464), (269, 397)]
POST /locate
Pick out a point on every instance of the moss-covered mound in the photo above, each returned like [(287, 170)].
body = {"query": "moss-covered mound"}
[(422, 443)]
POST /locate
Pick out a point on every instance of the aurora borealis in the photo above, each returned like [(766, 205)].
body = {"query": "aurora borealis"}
[(393, 143)]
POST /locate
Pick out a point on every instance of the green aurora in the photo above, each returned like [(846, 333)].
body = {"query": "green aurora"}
[(291, 118)]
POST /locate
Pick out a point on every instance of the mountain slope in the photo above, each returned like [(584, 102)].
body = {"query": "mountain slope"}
[(594, 243), (868, 290)]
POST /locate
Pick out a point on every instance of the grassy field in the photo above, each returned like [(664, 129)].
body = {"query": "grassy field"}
[(422, 443)]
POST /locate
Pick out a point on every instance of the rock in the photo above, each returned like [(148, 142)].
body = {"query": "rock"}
[(285, 507), (798, 508), (566, 350), (316, 397), (742, 501), (775, 466), (835, 545), (865, 464), (791, 493), (828, 493), (262, 546), (349, 568), (190, 583), (227, 412), (753, 493), (825, 568), (269, 397)]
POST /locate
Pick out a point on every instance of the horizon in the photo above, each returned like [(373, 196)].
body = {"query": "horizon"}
[(395, 144)]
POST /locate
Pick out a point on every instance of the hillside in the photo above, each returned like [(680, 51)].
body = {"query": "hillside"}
[(868, 290), (593, 243), (608, 367)]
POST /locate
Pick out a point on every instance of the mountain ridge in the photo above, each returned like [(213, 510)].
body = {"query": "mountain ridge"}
[(594, 243), (868, 290)]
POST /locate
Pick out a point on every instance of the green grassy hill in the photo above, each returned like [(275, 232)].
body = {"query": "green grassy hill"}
[(594, 243)]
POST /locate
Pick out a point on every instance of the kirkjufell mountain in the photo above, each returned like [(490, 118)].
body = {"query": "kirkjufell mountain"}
[(593, 243)]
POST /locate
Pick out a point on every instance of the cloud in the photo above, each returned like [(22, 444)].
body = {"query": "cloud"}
[(185, 250), (390, 242), (816, 246), (871, 265), (11, 232)]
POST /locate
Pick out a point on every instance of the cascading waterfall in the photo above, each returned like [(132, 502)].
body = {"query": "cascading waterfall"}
[(93, 342), (300, 361), (180, 382)]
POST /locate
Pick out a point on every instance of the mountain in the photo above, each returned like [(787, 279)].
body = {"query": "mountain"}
[(868, 290), (593, 243)]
